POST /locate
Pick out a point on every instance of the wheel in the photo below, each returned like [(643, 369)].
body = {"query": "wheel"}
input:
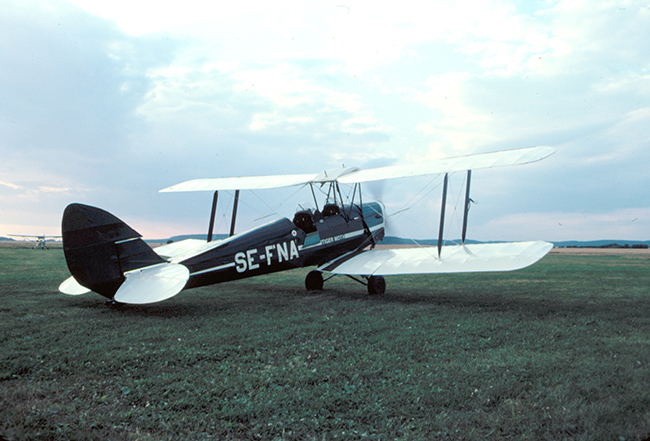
[(376, 285), (314, 281)]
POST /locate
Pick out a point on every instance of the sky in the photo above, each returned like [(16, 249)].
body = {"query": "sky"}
[(106, 103)]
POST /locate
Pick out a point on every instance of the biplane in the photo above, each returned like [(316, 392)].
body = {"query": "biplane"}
[(40, 241), (337, 237)]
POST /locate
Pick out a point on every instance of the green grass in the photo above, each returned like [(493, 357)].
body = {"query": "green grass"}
[(560, 350)]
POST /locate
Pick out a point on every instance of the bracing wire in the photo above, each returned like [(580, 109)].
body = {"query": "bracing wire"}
[(270, 209), (417, 198), (433, 185)]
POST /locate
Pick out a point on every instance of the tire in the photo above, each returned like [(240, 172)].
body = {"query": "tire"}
[(314, 281), (376, 285)]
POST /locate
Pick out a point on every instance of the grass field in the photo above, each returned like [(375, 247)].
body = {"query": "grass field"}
[(558, 351)]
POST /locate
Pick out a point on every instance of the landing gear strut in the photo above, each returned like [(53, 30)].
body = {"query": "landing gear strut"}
[(376, 284)]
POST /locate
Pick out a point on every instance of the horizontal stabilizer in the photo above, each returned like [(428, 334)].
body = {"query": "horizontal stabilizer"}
[(176, 251), (152, 284), (71, 287), (507, 256)]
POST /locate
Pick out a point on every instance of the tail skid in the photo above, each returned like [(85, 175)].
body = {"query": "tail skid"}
[(108, 257)]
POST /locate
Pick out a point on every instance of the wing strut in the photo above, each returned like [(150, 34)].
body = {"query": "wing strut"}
[(234, 213), (467, 201), (442, 213), (212, 215)]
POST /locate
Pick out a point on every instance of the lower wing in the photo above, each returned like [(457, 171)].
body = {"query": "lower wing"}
[(506, 256)]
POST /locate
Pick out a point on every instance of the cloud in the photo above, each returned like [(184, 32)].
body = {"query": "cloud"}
[(115, 100), (10, 185), (621, 224), (70, 83)]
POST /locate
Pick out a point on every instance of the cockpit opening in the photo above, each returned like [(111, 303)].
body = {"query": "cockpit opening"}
[(331, 210), (305, 221)]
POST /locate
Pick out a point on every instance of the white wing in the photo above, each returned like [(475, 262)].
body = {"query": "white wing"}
[(241, 183), (354, 175), (453, 259), (461, 163)]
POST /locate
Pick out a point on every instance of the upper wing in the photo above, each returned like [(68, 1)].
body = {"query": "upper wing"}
[(507, 256), (460, 163), (241, 183), (354, 175)]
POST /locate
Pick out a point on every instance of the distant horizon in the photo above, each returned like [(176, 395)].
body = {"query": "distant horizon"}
[(203, 236), (434, 240), (395, 240)]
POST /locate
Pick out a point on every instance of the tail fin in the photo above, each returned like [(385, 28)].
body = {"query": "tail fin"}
[(99, 248)]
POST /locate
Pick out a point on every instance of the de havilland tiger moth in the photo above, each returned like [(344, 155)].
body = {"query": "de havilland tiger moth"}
[(106, 256)]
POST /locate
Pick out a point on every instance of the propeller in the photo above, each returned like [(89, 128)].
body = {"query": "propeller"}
[(375, 190)]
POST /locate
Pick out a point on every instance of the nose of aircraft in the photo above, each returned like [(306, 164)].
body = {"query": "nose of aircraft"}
[(382, 210)]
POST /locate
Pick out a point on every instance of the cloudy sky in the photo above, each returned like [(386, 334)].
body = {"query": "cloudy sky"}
[(105, 103)]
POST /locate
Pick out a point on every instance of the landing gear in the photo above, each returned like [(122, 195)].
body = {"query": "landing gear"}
[(314, 281), (376, 285)]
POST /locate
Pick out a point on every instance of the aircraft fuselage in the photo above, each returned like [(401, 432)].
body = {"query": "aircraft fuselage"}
[(102, 252), (311, 239)]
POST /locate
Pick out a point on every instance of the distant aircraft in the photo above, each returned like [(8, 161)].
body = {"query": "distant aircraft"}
[(40, 240), (108, 257)]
